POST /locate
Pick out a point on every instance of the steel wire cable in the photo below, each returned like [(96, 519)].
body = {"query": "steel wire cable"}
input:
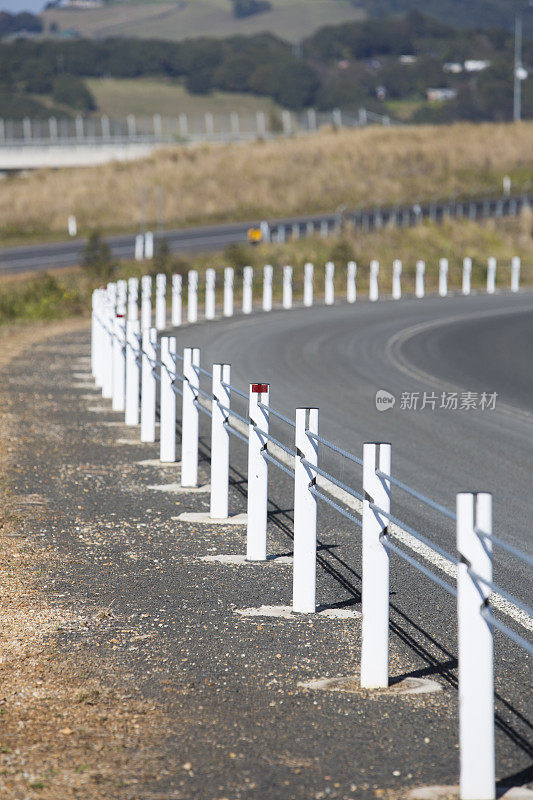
[(417, 565)]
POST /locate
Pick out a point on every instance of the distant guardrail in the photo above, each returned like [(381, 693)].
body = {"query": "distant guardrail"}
[(156, 129)]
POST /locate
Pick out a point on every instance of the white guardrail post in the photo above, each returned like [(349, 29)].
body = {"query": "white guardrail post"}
[(515, 273), (491, 275), (177, 314), (308, 284), (167, 403), (110, 297), (210, 305), (305, 513), (228, 291), (351, 282), (161, 301), (148, 385), (218, 507), (268, 274), (287, 287), (375, 591), (146, 302), (122, 297), (419, 281), (257, 505), (329, 287), (396, 279), (247, 289), (95, 332), (476, 678), (133, 330), (443, 277), (119, 363), (373, 288), (189, 419), (467, 272), (133, 298), (192, 296)]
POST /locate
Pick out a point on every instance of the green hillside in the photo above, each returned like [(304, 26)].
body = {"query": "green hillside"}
[(292, 20), (289, 19)]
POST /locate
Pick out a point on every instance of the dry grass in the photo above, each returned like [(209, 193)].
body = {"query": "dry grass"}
[(272, 179)]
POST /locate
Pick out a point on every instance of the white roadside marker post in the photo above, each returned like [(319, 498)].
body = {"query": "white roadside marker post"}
[(133, 330), (133, 298), (161, 301), (443, 277), (218, 506), (396, 279), (190, 415), (515, 273), (475, 643), (257, 505), (308, 284), (146, 302), (149, 245), (148, 385), (268, 274), (247, 289), (210, 279), (491, 275), (228, 291), (177, 314), (329, 287), (467, 273), (139, 247), (373, 289), (305, 513), (287, 287), (375, 591), (419, 280), (192, 296), (351, 282), (167, 427)]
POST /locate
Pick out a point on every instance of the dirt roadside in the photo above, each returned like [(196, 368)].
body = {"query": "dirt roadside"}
[(64, 733)]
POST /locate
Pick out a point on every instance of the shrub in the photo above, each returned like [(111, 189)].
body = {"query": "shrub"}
[(96, 258), (71, 91)]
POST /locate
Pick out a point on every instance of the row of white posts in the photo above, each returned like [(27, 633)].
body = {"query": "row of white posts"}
[(128, 362), (287, 290)]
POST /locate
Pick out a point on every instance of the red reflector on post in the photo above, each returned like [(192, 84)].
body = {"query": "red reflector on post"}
[(120, 316), (259, 388)]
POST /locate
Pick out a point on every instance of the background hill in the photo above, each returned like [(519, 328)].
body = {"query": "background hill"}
[(289, 19)]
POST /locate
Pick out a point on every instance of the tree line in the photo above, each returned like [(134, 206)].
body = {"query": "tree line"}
[(342, 66)]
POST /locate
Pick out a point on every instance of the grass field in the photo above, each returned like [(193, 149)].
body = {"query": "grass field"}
[(290, 19), (212, 183), (145, 97), (65, 293)]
